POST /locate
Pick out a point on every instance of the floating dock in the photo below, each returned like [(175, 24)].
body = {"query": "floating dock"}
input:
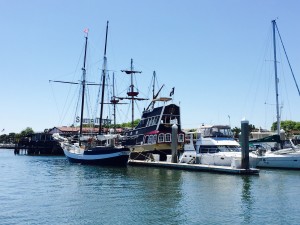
[(195, 167)]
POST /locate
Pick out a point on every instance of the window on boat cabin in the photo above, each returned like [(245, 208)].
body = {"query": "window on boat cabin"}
[(165, 119), (206, 132), (161, 138), (173, 120), (208, 149), (152, 121), (229, 148), (180, 137), (143, 123), (146, 139), (154, 138), (168, 137), (155, 120), (149, 122), (169, 119), (150, 139)]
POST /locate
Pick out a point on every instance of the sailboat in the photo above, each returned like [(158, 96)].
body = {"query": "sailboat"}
[(103, 149), (287, 158)]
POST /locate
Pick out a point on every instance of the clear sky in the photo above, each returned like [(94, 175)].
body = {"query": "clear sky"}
[(211, 51)]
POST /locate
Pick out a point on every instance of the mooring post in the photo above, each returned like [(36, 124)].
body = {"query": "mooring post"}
[(174, 143), (245, 144)]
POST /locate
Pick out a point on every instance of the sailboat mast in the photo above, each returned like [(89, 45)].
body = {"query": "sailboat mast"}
[(83, 86), (276, 78), (114, 97), (103, 81)]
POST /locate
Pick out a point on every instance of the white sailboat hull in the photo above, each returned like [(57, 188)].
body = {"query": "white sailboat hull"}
[(282, 161)]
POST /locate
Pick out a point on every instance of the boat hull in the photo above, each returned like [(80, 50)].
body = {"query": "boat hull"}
[(142, 152), (289, 161), (231, 159), (109, 156)]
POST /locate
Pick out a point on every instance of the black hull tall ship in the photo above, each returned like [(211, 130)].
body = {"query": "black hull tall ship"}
[(153, 134)]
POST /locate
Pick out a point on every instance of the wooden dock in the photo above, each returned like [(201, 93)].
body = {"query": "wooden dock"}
[(195, 167)]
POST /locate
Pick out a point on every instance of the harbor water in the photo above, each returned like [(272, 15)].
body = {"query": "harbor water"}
[(50, 190)]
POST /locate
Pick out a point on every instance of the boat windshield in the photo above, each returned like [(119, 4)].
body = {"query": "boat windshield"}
[(220, 148), (216, 131)]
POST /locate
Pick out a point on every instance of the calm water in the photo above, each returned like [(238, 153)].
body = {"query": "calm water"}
[(50, 190)]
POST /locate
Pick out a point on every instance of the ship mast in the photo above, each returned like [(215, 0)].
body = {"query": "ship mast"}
[(83, 87), (114, 101), (132, 94), (103, 81), (276, 78)]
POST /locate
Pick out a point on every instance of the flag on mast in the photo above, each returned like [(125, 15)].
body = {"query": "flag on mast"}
[(86, 30), (172, 91)]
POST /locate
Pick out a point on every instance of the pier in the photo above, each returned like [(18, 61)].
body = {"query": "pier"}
[(195, 167)]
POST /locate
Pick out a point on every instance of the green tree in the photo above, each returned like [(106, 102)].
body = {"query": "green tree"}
[(287, 125), (12, 137), (3, 138), (26, 132), (236, 131)]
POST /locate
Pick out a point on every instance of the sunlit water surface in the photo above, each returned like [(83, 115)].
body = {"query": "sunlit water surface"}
[(50, 190)]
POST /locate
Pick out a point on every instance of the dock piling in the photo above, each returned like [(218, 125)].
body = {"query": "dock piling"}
[(174, 143), (245, 144)]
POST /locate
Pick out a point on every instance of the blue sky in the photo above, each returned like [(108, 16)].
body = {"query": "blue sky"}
[(211, 51)]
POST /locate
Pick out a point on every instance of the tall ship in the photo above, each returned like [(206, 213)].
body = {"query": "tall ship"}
[(153, 134)]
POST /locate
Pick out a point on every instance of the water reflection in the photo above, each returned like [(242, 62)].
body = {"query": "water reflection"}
[(54, 191), (247, 199)]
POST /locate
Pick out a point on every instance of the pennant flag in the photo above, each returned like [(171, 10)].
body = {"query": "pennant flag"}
[(172, 92)]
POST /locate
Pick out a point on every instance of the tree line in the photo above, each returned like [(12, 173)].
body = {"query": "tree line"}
[(15, 137), (290, 127)]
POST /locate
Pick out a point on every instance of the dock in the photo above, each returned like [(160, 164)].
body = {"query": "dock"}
[(195, 167)]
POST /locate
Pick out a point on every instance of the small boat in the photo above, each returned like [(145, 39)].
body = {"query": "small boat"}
[(102, 149), (285, 158), (214, 145)]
